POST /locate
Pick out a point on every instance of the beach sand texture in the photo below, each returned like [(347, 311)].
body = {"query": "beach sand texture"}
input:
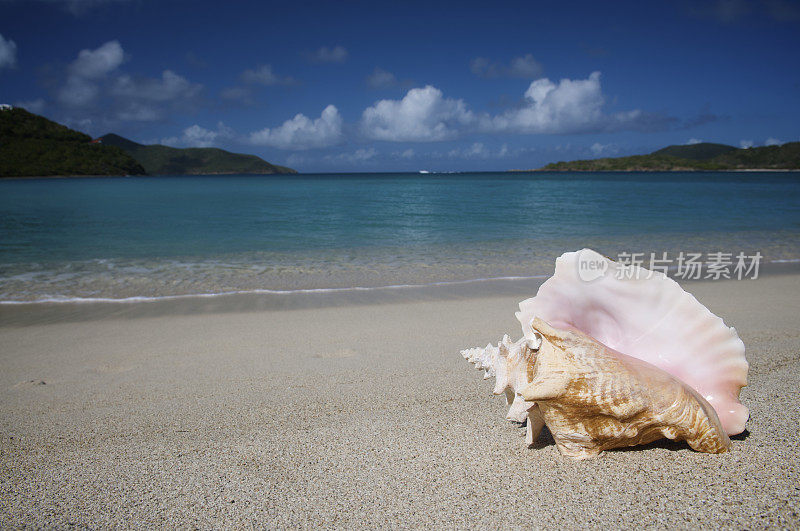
[(359, 416)]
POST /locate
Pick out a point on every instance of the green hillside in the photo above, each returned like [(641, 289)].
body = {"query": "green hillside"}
[(31, 145), (700, 151), (703, 156), (165, 160), (786, 156)]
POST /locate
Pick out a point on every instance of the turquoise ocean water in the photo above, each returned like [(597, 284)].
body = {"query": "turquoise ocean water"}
[(122, 238)]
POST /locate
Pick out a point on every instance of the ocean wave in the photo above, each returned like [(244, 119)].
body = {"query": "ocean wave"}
[(118, 280), (139, 299)]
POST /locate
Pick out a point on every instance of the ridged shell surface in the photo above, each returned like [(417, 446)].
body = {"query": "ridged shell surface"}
[(593, 398)]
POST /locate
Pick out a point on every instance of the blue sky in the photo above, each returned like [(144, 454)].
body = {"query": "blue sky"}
[(389, 86)]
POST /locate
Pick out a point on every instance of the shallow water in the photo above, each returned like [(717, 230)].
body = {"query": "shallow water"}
[(116, 238)]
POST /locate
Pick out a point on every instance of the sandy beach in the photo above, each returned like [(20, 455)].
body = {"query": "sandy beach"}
[(359, 415)]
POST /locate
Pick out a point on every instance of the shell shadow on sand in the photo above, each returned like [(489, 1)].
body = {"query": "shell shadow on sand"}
[(668, 444), (546, 439)]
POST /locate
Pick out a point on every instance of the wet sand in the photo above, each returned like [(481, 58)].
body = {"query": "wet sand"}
[(355, 415)]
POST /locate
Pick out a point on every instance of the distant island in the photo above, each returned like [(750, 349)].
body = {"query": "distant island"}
[(33, 146), (164, 160), (704, 156)]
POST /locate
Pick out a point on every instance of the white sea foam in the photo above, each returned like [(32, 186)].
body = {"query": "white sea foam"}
[(341, 270), (138, 299)]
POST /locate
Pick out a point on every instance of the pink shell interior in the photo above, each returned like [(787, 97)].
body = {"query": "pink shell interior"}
[(652, 319)]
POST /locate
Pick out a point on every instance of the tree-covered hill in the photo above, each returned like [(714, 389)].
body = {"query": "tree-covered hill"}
[(700, 151), (165, 160), (703, 156), (786, 156), (31, 145)]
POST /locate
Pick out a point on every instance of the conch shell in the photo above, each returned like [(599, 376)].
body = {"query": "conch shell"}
[(593, 398), (632, 356)]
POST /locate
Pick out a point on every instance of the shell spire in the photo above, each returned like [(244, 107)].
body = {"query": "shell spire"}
[(482, 359)]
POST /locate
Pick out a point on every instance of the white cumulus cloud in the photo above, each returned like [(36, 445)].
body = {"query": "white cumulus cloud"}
[(197, 136), (8, 53), (569, 106), (98, 90), (746, 144), (423, 115), (302, 132), (772, 141), (93, 64), (693, 141), (87, 70)]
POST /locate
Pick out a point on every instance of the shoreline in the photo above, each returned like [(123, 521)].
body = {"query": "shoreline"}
[(358, 415), (34, 313), (31, 314), (261, 299), (267, 292)]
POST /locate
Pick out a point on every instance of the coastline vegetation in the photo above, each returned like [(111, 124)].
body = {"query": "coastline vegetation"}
[(694, 157), (33, 146), (164, 160)]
